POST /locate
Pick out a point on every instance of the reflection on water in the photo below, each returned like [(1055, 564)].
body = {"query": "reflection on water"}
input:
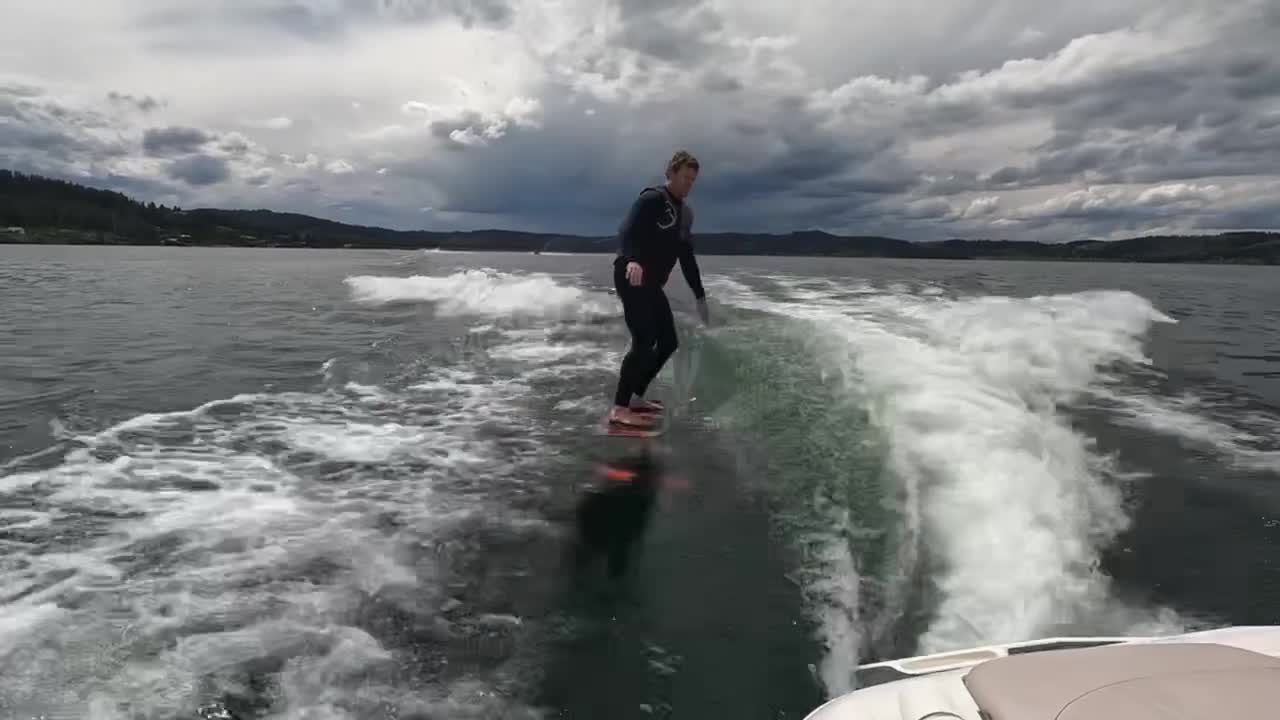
[(614, 513)]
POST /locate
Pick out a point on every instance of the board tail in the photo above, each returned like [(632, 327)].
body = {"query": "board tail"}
[(616, 429)]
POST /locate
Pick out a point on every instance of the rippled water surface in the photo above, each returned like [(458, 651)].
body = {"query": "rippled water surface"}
[(342, 484)]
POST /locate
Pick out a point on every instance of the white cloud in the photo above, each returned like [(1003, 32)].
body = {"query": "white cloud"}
[(982, 207), (276, 123), (1087, 200), (340, 167), (897, 116), (1175, 193)]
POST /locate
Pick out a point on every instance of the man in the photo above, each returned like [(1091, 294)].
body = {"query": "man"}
[(654, 235)]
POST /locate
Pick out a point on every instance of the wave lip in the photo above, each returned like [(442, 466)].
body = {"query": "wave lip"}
[(484, 293)]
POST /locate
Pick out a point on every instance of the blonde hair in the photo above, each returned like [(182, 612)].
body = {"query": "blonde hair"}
[(681, 159)]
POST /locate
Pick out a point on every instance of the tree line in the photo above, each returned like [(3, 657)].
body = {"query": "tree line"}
[(50, 210)]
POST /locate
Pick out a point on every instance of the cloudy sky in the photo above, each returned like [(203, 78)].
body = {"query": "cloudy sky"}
[(923, 119)]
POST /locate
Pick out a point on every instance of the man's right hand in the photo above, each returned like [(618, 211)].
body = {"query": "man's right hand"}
[(635, 273)]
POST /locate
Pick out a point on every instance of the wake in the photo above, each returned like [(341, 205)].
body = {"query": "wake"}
[(1004, 504)]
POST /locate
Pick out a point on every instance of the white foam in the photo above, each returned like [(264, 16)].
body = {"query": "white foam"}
[(838, 617), (544, 353), (357, 442), (581, 405), (485, 293), (449, 380), (243, 528), (1192, 421), (1009, 499), (17, 623)]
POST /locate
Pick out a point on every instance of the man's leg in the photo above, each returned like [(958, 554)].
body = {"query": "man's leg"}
[(638, 313), (666, 342), (639, 356)]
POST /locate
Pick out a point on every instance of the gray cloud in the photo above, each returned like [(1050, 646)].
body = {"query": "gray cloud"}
[(145, 103), (716, 81), (1260, 213), (1190, 112), (327, 21), (154, 190), (954, 182), (1028, 119), (1239, 147), (200, 170), (100, 145), (669, 30), (169, 141), (42, 134), (235, 144), (13, 90)]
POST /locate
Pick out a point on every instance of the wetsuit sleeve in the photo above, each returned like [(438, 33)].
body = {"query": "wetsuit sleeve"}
[(688, 261), (642, 215), (689, 266)]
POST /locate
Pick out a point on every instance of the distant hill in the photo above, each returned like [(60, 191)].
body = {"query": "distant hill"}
[(36, 209)]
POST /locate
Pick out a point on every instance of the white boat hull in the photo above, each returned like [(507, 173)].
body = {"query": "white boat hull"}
[(933, 687)]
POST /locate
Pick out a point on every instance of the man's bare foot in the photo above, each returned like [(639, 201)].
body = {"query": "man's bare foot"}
[(627, 416)]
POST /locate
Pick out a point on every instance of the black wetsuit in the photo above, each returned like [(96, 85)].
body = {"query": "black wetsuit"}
[(655, 234)]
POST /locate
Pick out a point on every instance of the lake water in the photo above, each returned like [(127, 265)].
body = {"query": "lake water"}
[(347, 484)]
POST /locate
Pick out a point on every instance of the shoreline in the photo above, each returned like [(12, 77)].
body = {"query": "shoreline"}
[(701, 253)]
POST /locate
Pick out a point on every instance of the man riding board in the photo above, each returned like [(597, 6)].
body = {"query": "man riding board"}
[(654, 235)]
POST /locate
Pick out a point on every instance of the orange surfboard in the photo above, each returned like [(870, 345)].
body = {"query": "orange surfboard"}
[(630, 431)]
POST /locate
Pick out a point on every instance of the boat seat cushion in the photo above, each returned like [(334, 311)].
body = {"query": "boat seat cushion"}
[(1140, 681)]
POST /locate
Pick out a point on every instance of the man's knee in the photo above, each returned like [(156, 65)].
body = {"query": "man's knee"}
[(645, 342), (668, 343)]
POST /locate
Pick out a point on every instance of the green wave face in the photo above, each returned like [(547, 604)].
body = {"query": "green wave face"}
[(919, 457)]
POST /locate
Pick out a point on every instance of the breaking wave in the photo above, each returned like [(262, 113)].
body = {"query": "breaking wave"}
[(485, 293), (1004, 507)]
